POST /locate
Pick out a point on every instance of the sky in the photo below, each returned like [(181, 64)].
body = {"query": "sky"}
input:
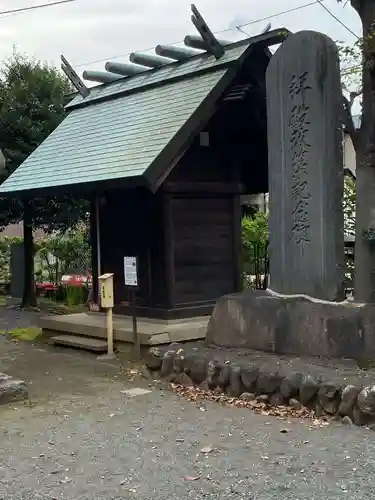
[(90, 32)]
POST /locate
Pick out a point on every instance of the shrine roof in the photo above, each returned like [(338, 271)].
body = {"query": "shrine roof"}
[(132, 129)]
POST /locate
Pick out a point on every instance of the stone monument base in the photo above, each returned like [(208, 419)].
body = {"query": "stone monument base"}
[(298, 324)]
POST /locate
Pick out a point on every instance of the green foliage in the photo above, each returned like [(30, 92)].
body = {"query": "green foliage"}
[(26, 334), (57, 254), (351, 84), (255, 229), (31, 103), (5, 246), (63, 253), (351, 70), (75, 296), (31, 107), (351, 81), (254, 247), (349, 201)]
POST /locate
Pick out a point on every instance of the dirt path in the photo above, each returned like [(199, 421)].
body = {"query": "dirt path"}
[(85, 439)]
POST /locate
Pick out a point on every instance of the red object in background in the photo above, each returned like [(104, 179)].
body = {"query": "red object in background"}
[(44, 287), (75, 280)]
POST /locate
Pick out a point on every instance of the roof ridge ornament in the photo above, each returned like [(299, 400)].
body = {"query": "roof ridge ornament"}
[(74, 78), (212, 44), (124, 69), (148, 60), (100, 76), (176, 53), (266, 29)]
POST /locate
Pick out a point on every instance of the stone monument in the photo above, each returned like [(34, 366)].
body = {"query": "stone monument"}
[(301, 313), (305, 168)]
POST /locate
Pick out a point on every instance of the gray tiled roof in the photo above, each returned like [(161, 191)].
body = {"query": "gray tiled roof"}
[(113, 139), (121, 128), (161, 74)]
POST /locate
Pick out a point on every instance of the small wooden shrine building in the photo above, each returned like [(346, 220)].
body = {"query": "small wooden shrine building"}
[(163, 148)]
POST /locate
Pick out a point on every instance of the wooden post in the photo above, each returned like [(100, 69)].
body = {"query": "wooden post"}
[(131, 283), (237, 250), (107, 302), (168, 250), (109, 324), (136, 339)]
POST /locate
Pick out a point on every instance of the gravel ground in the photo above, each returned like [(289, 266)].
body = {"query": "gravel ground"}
[(12, 318), (83, 438)]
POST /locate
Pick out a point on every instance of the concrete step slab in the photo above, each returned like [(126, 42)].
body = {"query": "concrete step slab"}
[(151, 332), (87, 343)]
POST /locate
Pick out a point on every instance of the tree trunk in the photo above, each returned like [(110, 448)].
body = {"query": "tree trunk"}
[(94, 294), (364, 280), (29, 293)]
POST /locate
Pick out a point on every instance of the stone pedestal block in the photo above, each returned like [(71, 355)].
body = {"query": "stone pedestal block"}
[(297, 325)]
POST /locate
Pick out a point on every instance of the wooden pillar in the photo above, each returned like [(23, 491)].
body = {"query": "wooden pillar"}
[(237, 246), (168, 250), (237, 229)]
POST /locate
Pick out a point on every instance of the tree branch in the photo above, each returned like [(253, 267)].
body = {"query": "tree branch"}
[(347, 118)]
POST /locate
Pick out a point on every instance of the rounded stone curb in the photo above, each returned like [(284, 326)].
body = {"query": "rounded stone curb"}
[(247, 381), (154, 358)]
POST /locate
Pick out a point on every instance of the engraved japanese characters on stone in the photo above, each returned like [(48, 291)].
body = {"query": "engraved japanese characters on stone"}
[(298, 85), (305, 167), (299, 148)]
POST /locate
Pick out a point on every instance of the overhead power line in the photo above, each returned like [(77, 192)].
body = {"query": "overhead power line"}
[(320, 2), (34, 7), (239, 27), (288, 11), (266, 18)]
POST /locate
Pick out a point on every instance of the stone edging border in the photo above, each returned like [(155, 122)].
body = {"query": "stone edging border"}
[(247, 380)]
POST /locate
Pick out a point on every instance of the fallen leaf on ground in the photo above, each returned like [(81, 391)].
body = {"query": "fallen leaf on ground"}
[(319, 470), (66, 480), (191, 478), (207, 449), (196, 394)]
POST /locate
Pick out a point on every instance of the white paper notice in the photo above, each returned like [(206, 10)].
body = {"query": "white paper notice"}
[(130, 271)]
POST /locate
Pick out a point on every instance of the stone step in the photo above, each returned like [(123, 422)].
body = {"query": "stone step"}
[(79, 342)]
